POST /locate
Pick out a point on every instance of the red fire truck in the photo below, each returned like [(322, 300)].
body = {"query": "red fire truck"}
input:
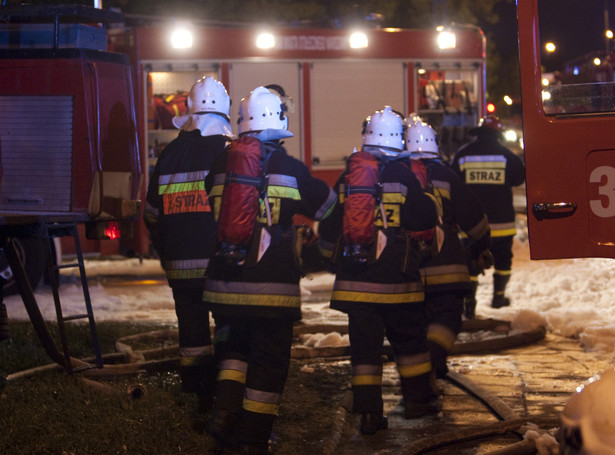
[(333, 82), (335, 79), (569, 141), (69, 149)]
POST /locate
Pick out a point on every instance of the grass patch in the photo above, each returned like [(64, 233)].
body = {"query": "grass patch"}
[(53, 412)]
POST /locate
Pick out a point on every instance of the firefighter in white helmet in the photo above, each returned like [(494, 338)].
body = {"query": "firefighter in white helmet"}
[(445, 276), (491, 170), (377, 276), (181, 225), (255, 302)]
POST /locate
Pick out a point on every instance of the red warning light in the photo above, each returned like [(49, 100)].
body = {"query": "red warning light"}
[(490, 108), (113, 230)]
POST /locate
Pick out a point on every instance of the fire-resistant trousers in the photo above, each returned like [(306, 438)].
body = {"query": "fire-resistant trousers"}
[(196, 364), (405, 328), (253, 356), (444, 310)]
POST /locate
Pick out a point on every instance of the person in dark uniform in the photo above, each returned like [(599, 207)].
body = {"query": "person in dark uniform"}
[(181, 224), (491, 170), (384, 295), (445, 276), (256, 305)]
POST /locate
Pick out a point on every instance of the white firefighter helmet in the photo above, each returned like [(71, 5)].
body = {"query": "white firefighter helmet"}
[(207, 96), (384, 129), (420, 138), (263, 111), (588, 419)]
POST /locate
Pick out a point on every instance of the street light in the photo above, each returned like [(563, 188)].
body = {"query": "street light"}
[(550, 47)]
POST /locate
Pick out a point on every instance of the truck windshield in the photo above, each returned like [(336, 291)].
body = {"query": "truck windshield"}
[(576, 57)]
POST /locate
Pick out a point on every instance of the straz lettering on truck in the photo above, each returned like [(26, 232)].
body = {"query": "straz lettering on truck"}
[(184, 193), (487, 169)]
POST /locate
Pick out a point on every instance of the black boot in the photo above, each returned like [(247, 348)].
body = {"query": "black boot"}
[(371, 422), (222, 427), (499, 288), (421, 396)]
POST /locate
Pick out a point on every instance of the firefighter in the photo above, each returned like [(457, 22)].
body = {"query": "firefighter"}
[(491, 171), (256, 305), (445, 275), (182, 227), (381, 290)]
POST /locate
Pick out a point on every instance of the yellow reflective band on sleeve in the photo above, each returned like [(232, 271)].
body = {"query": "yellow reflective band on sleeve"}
[(232, 375), (260, 407), (411, 371), (366, 379), (355, 296)]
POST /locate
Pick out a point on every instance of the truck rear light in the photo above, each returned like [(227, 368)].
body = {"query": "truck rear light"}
[(112, 231)]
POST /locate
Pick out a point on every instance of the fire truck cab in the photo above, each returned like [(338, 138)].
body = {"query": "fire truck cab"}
[(335, 79)]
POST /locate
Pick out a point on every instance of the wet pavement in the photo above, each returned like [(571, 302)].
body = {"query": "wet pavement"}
[(529, 384)]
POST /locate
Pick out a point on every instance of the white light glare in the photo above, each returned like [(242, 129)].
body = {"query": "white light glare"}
[(265, 41), (181, 38), (546, 96), (358, 40), (597, 61), (447, 40), (510, 135), (508, 100)]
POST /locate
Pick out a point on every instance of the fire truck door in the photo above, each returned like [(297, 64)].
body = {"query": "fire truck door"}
[(569, 141)]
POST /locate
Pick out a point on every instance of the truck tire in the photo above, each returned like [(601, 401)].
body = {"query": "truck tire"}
[(32, 252)]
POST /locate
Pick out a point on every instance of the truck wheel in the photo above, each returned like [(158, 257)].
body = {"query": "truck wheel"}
[(32, 252)]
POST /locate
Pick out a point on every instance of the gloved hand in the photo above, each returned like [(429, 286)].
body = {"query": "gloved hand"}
[(484, 261)]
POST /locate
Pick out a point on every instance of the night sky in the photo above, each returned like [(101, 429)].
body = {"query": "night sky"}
[(575, 26)]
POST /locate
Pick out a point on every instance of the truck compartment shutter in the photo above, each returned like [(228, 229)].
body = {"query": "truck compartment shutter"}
[(344, 93), (36, 142)]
